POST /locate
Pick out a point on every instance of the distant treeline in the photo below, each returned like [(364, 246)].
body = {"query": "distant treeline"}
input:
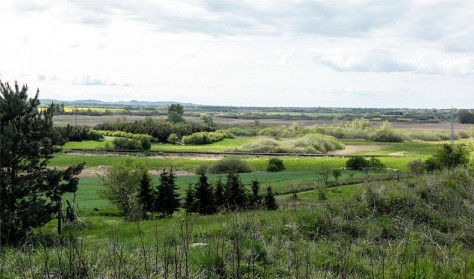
[(158, 129), (465, 116)]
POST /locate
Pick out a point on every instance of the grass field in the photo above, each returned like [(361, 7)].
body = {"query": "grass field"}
[(257, 163), (220, 146)]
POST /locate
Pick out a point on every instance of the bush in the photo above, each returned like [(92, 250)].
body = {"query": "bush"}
[(173, 138), (230, 165), (205, 138), (357, 163), (311, 143), (275, 165), (360, 163), (416, 167), (127, 144)]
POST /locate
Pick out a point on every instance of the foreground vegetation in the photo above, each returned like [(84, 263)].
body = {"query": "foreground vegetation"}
[(416, 228)]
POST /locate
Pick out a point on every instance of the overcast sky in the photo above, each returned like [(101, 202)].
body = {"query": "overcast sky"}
[(243, 52)]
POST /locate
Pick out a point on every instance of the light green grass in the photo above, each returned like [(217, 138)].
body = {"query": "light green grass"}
[(186, 164), (220, 146)]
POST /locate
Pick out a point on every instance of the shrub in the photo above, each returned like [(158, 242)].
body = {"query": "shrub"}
[(230, 165), (173, 138), (357, 163), (311, 143), (127, 144), (416, 167), (360, 163), (204, 138), (275, 165), (145, 143)]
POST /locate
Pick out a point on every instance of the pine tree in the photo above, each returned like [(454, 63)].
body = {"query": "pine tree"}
[(235, 194), (255, 198), (270, 201), (167, 199), (205, 203), (30, 192), (219, 196), (145, 196), (190, 201)]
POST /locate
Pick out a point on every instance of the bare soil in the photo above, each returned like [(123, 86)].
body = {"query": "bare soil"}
[(352, 149)]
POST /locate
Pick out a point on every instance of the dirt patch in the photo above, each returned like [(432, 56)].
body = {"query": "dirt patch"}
[(101, 171), (352, 149)]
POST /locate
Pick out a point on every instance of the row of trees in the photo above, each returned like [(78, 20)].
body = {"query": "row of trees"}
[(205, 198), (160, 130), (129, 186)]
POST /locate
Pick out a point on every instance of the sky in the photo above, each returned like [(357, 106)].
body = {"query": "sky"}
[(400, 54)]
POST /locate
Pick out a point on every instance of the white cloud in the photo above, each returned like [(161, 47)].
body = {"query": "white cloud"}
[(288, 52)]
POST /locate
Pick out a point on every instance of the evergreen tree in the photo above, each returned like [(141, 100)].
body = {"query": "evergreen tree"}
[(235, 194), (145, 196), (30, 192), (205, 203), (255, 198), (270, 201), (219, 196), (190, 201), (167, 199)]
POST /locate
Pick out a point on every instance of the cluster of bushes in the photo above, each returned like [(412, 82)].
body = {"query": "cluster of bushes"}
[(160, 130), (75, 133), (447, 157), (205, 137), (361, 163), (204, 198), (225, 165), (310, 143), (121, 134), (465, 116), (131, 144)]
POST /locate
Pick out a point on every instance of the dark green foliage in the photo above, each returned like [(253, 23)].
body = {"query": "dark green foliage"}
[(465, 116), (167, 199), (204, 197), (145, 144), (235, 193), (160, 130), (30, 192), (189, 200), (270, 202), (175, 113), (230, 164), (360, 163), (255, 199), (275, 165), (357, 163), (76, 133), (127, 144), (219, 193), (146, 194), (449, 156), (336, 173)]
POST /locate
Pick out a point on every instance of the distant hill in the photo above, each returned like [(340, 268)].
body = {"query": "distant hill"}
[(120, 103)]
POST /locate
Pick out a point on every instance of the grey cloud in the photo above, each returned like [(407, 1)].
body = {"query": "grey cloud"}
[(460, 43), (333, 18)]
